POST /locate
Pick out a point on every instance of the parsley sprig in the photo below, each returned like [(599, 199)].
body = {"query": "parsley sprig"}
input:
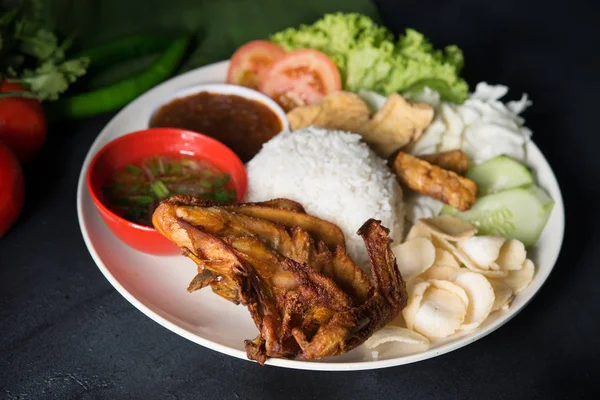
[(33, 56)]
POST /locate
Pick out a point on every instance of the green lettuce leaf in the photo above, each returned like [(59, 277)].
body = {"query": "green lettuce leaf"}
[(369, 58)]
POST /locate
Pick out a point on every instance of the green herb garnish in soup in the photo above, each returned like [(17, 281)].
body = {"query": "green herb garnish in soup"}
[(135, 191)]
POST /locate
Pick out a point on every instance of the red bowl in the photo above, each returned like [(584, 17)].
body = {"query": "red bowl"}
[(135, 147)]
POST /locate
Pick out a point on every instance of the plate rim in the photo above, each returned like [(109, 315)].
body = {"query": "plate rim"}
[(281, 362)]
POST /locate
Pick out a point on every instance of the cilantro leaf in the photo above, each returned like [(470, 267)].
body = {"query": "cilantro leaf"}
[(33, 55), (40, 44), (50, 79)]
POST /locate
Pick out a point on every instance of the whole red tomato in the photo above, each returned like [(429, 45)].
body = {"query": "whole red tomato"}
[(22, 123), (12, 188)]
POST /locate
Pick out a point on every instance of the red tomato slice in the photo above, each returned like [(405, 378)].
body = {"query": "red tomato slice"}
[(303, 76), (250, 62), (12, 189)]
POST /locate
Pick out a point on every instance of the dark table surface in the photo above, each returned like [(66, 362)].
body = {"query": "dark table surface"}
[(66, 333)]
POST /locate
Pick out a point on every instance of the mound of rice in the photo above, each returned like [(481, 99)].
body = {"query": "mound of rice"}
[(335, 176)]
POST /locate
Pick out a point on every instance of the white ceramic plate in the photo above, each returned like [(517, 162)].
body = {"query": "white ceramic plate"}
[(157, 285)]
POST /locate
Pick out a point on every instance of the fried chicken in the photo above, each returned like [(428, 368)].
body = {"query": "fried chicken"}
[(306, 296)]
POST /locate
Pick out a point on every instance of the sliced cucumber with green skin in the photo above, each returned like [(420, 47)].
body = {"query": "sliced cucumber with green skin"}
[(499, 174), (519, 213)]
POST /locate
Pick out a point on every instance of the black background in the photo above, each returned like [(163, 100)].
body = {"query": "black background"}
[(66, 333)]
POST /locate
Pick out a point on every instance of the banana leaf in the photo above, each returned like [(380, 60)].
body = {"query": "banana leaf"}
[(220, 26)]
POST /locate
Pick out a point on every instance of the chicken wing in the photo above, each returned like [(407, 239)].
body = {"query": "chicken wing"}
[(306, 296)]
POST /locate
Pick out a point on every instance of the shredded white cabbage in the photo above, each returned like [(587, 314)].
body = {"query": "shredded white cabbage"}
[(483, 127)]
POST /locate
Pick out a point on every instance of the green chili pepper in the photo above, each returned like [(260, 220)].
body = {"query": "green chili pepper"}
[(116, 96), (124, 49)]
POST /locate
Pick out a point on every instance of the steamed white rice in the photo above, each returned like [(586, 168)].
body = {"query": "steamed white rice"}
[(335, 176)]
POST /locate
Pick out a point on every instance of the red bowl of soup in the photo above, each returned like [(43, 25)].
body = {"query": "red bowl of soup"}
[(130, 175)]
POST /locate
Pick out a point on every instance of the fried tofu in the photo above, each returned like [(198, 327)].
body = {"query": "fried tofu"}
[(340, 110), (434, 181), (397, 124)]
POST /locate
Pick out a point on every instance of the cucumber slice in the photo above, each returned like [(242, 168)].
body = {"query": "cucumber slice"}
[(498, 174), (519, 213)]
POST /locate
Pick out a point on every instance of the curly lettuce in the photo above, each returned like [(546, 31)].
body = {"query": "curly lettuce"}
[(369, 58)]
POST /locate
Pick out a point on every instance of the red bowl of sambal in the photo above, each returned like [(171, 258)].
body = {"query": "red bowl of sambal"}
[(129, 177)]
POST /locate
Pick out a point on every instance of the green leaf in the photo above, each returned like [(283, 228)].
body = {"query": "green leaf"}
[(49, 80), (221, 26), (26, 41), (369, 58), (40, 44)]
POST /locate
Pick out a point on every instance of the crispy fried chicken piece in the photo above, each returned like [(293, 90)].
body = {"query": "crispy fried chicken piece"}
[(305, 295), (431, 180), (453, 160), (325, 231), (286, 204)]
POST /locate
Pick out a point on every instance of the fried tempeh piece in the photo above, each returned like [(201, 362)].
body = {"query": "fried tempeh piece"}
[(453, 160), (436, 182)]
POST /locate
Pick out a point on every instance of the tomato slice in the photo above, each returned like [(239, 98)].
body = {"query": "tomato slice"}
[(250, 62), (302, 76)]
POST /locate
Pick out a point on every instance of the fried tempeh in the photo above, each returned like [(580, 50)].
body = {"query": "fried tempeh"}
[(453, 160), (436, 182)]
